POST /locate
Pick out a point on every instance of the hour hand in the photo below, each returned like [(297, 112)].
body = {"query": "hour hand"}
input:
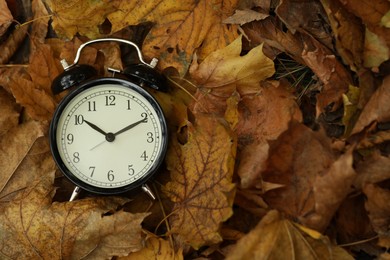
[(95, 127)]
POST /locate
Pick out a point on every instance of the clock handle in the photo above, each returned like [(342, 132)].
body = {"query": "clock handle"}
[(148, 191), (76, 60)]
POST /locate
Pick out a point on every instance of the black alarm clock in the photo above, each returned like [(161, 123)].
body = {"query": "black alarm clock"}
[(108, 135)]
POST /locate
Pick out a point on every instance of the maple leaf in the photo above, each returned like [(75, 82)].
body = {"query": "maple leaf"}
[(9, 112), (32, 227), (275, 232), (201, 187), (224, 71)]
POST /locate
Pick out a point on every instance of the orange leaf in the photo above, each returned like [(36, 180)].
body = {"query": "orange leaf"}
[(31, 227), (201, 187)]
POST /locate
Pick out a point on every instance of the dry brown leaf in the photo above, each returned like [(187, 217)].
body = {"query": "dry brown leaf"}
[(330, 71), (201, 187), (349, 33), (37, 161), (376, 109), (296, 158), (9, 112), (40, 25), (43, 67), (5, 17), (277, 238), (38, 103), (263, 116), (31, 227), (14, 146), (12, 43), (377, 205), (305, 16), (242, 17), (376, 50), (156, 248), (374, 169), (329, 191)]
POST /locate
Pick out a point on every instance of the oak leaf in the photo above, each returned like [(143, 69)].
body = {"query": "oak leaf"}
[(201, 185), (278, 238), (32, 227)]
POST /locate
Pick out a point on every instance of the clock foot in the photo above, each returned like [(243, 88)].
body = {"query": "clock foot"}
[(75, 193), (148, 191)]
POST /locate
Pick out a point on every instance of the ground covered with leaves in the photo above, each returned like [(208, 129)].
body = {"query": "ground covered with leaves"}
[(278, 116)]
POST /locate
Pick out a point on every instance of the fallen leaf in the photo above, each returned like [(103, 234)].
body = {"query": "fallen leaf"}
[(14, 146), (376, 50), (32, 227), (156, 248), (334, 76), (329, 191), (373, 169), (350, 103), (69, 17), (349, 33), (36, 161), (296, 159), (377, 205), (9, 112), (242, 17), (201, 185), (376, 108), (263, 116), (370, 11), (5, 17), (224, 71), (11, 44), (40, 25), (305, 16), (38, 103), (385, 21), (278, 238)]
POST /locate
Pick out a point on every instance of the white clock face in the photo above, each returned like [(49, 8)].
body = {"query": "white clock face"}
[(110, 136)]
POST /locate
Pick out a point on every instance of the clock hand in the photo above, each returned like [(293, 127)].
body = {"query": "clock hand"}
[(143, 120), (95, 127)]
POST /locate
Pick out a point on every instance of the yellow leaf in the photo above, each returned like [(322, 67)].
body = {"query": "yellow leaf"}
[(201, 187), (31, 227), (278, 238), (156, 248), (79, 16)]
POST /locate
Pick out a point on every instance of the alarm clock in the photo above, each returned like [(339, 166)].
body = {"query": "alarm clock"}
[(109, 134)]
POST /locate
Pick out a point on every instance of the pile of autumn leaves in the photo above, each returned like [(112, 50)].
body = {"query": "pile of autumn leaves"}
[(244, 177)]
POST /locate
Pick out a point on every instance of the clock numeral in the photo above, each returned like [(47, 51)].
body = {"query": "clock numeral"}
[(76, 157), (150, 138), (131, 169), (144, 156), (145, 116), (128, 105), (110, 175), (70, 138), (91, 106), (78, 119), (110, 100), (92, 169)]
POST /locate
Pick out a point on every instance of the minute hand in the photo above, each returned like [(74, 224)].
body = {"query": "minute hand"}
[(130, 126)]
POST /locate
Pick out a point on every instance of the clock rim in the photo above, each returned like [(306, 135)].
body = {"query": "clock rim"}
[(72, 177)]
